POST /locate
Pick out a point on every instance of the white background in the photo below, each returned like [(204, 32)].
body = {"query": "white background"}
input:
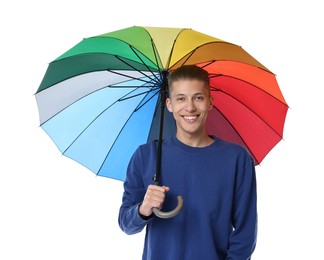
[(53, 208)]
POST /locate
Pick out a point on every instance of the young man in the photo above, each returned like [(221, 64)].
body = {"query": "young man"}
[(216, 179)]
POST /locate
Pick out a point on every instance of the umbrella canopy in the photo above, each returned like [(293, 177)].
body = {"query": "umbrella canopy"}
[(102, 98)]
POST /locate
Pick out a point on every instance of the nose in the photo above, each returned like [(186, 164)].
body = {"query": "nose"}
[(190, 106)]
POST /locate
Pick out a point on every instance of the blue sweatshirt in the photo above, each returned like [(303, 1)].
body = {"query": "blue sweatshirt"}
[(218, 185)]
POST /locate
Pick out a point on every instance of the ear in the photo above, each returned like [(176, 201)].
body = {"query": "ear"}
[(211, 100), (168, 104)]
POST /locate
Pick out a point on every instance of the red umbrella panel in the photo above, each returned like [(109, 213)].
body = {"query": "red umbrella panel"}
[(249, 108)]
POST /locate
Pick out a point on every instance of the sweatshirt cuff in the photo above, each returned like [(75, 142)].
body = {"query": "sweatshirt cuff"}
[(141, 217)]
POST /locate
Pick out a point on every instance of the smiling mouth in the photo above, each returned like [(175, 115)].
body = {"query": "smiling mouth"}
[(190, 117)]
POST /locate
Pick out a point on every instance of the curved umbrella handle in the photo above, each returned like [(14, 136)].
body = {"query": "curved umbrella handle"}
[(172, 213)]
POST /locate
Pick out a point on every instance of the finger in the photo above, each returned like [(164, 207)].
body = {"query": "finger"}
[(158, 188), (166, 188)]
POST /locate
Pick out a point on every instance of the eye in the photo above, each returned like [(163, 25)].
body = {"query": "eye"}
[(200, 98), (180, 99)]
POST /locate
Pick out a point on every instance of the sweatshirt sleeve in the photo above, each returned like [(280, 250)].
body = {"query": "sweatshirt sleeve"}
[(130, 221), (244, 216)]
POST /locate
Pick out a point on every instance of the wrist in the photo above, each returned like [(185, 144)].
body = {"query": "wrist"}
[(144, 214)]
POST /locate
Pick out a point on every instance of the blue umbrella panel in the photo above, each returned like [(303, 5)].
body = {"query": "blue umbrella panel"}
[(102, 123)]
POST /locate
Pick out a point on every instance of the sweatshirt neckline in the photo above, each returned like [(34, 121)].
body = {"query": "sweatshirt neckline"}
[(192, 149)]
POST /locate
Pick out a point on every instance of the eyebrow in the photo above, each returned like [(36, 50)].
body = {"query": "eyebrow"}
[(195, 94)]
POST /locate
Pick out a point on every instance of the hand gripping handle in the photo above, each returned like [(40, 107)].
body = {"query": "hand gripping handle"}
[(172, 213)]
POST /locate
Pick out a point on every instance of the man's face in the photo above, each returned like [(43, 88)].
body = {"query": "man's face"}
[(189, 101)]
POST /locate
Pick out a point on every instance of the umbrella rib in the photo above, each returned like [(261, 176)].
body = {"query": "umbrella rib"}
[(128, 76), (95, 118), (157, 80), (172, 49), (192, 52), (141, 105), (215, 89), (129, 97), (156, 56), (267, 93), (121, 129), (171, 53), (144, 62), (237, 134), (209, 63)]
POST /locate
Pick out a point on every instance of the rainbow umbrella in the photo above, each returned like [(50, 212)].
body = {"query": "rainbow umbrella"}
[(105, 96)]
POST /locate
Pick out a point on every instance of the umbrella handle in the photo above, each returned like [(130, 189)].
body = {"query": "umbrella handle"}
[(172, 213)]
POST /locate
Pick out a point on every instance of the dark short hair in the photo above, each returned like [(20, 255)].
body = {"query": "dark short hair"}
[(189, 72)]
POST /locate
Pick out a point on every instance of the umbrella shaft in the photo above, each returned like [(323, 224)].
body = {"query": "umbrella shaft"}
[(163, 93)]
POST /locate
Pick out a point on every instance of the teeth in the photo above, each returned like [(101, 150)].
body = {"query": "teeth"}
[(189, 117)]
